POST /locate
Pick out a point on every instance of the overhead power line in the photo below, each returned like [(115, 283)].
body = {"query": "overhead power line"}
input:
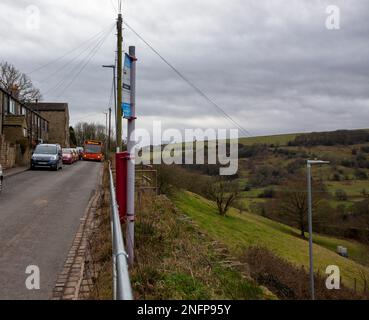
[(65, 65), (66, 54), (114, 7), (192, 85), (85, 64), (62, 81), (80, 69)]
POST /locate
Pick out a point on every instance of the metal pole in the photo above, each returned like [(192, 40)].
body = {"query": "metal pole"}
[(115, 104), (131, 164), (310, 218), (119, 82), (109, 142), (106, 135)]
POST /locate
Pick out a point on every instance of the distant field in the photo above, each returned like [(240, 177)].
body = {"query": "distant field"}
[(282, 139), (239, 232), (354, 188)]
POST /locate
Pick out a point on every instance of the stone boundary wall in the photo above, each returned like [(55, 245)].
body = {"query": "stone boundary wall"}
[(72, 282)]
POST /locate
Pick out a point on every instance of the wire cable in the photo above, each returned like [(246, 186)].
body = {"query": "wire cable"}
[(114, 7), (65, 54), (85, 64), (192, 85), (88, 58), (61, 82), (64, 66)]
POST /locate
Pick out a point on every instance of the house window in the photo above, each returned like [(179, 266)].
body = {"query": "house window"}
[(23, 111), (12, 106)]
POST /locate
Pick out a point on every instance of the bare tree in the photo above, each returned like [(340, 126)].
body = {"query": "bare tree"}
[(224, 193), (89, 131), (292, 201), (11, 78)]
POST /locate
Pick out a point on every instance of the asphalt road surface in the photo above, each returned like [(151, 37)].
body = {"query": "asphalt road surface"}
[(40, 212)]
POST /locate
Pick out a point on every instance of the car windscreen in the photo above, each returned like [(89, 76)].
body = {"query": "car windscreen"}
[(67, 151), (46, 150), (92, 148)]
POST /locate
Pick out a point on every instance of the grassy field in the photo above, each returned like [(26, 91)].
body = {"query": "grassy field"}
[(281, 140), (240, 231)]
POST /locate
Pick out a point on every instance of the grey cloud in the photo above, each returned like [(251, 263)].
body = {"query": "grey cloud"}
[(271, 64)]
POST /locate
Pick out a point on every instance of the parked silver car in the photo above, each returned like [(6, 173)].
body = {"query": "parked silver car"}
[(47, 156)]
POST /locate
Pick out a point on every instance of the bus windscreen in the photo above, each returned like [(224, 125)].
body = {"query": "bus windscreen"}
[(89, 148)]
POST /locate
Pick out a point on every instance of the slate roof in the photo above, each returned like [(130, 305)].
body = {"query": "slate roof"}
[(45, 106)]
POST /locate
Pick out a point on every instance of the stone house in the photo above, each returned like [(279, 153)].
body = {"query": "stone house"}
[(57, 115), (21, 129)]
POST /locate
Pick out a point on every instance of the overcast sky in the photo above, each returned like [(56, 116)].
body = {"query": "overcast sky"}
[(270, 64)]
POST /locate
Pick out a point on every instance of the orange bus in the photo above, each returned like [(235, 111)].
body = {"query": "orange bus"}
[(93, 151)]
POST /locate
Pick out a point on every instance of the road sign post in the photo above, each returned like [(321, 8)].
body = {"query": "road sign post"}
[(130, 115)]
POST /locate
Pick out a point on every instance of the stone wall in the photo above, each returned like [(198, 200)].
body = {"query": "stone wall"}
[(1, 111), (58, 127), (7, 154), (13, 134)]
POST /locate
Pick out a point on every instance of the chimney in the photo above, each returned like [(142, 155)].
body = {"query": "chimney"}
[(14, 91)]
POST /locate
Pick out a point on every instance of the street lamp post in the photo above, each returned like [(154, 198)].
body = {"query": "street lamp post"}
[(310, 221), (112, 66), (106, 134)]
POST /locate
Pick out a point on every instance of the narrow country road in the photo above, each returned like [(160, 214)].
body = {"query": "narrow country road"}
[(40, 212)]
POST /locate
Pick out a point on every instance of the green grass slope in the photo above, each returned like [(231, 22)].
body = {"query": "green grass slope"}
[(239, 232), (281, 139)]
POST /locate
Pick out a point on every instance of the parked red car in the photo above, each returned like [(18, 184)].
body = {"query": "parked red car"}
[(68, 156)]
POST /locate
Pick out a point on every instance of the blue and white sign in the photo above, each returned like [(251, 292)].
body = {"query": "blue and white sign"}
[(127, 110), (126, 105)]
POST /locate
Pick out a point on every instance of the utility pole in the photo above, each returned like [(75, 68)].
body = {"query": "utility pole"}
[(131, 167), (109, 142), (119, 82)]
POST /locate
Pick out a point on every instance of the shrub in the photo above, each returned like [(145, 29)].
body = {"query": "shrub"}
[(288, 281), (343, 137), (361, 175), (267, 193), (266, 175), (341, 195)]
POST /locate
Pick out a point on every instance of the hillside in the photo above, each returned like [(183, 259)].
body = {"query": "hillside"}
[(279, 139), (240, 231)]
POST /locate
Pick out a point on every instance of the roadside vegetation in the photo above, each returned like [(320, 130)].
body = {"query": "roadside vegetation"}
[(242, 231), (269, 208), (176, 260), (245, 236)]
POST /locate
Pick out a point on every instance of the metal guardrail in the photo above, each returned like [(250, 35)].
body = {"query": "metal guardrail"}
[(121, 282)]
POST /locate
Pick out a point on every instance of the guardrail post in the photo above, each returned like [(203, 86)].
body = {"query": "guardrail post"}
[(122, 289)]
